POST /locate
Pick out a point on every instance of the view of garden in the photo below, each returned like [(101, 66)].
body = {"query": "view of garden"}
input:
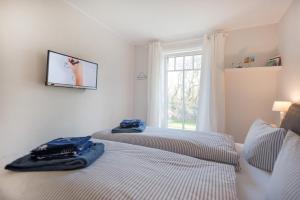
[(183, 88)]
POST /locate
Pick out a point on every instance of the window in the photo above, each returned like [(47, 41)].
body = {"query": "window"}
[(182, 83)]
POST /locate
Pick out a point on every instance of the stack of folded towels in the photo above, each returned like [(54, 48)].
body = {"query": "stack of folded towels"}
[(60, 154), (130, 126)]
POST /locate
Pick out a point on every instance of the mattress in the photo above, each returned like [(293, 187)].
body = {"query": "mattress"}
[(251, 181), (125, 171), (204, 145)]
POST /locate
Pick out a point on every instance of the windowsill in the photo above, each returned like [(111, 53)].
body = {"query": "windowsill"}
[(173, 129)]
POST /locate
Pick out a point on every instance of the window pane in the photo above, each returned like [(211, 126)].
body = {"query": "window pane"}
[(175, 100), (188, 62), (197, 61), (191, 91), (171, 62), (183, 90), (179, 63)]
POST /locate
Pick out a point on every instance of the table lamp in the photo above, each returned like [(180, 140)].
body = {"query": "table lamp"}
[(282, 107)]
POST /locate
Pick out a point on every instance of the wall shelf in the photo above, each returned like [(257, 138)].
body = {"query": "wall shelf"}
[(277, 68)]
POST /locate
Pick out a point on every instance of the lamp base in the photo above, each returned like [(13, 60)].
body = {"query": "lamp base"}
[(282, 115)]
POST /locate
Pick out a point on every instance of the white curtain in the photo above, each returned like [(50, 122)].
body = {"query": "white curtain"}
[(211, 106), (156, 94)]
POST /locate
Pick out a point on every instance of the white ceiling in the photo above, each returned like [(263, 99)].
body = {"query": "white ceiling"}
[(142, 20)]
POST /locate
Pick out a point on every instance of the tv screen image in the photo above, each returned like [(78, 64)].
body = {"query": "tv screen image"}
[(68, 71)]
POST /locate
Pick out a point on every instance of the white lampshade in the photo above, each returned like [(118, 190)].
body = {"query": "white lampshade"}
[(281, 106)]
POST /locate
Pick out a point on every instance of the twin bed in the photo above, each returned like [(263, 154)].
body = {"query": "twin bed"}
[(126, 171), (205, 145), (158, 164)]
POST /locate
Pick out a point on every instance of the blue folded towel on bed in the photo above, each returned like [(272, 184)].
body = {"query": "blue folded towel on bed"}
[(131, 123), (62, 147), (137, 129), (26, 163), (61, 152)]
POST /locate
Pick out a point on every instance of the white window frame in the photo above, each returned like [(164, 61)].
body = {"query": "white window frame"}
[(178, 54)]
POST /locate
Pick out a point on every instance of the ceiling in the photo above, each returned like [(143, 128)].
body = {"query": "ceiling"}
[(139, 21)]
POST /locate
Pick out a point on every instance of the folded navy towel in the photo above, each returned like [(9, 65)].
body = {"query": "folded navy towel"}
[(62, 146), (27, 164), (64, 153), (138, 129), (132, 123)]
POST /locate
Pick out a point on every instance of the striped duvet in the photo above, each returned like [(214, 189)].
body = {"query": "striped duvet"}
[(208, 146), (126, 172)]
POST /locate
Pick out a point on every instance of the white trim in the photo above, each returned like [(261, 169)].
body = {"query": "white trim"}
[(183, 93), (183, 41), (183, 46), (102, 24), (166, 103), (183, 52), (228, 30)]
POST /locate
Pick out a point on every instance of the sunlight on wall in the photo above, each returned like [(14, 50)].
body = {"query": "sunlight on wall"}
[(295, 96)]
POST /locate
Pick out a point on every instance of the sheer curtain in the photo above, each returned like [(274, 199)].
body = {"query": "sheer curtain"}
[(211, 105), (156, 94)]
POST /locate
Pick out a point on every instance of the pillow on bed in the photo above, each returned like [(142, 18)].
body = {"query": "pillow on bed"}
[(263, 144), (285, 179)]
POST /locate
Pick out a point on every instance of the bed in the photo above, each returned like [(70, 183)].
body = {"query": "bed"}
[(125, 172), (203, 145)]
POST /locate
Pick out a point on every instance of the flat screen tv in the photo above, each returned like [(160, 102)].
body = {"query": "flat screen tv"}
[(68, 71)]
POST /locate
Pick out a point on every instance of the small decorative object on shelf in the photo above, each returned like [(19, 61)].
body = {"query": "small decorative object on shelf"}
[(237, 65), (248, 60), (276, 61)]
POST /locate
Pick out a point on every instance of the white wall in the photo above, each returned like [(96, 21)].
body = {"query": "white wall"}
[(261, 42), (289, 87), (140, 86), (30, 112), (250, 94)]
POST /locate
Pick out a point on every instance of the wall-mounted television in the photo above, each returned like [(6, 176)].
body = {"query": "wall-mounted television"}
[(69, 71)]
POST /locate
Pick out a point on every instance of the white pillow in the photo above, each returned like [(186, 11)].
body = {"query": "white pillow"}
[(262, 145), (285, 179)]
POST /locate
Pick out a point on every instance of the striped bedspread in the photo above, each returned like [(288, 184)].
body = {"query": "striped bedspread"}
[(208, 146), (126, 172)]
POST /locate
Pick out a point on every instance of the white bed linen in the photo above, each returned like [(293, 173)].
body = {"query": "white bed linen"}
[(125, 172), (210, 146), (251, 181)]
